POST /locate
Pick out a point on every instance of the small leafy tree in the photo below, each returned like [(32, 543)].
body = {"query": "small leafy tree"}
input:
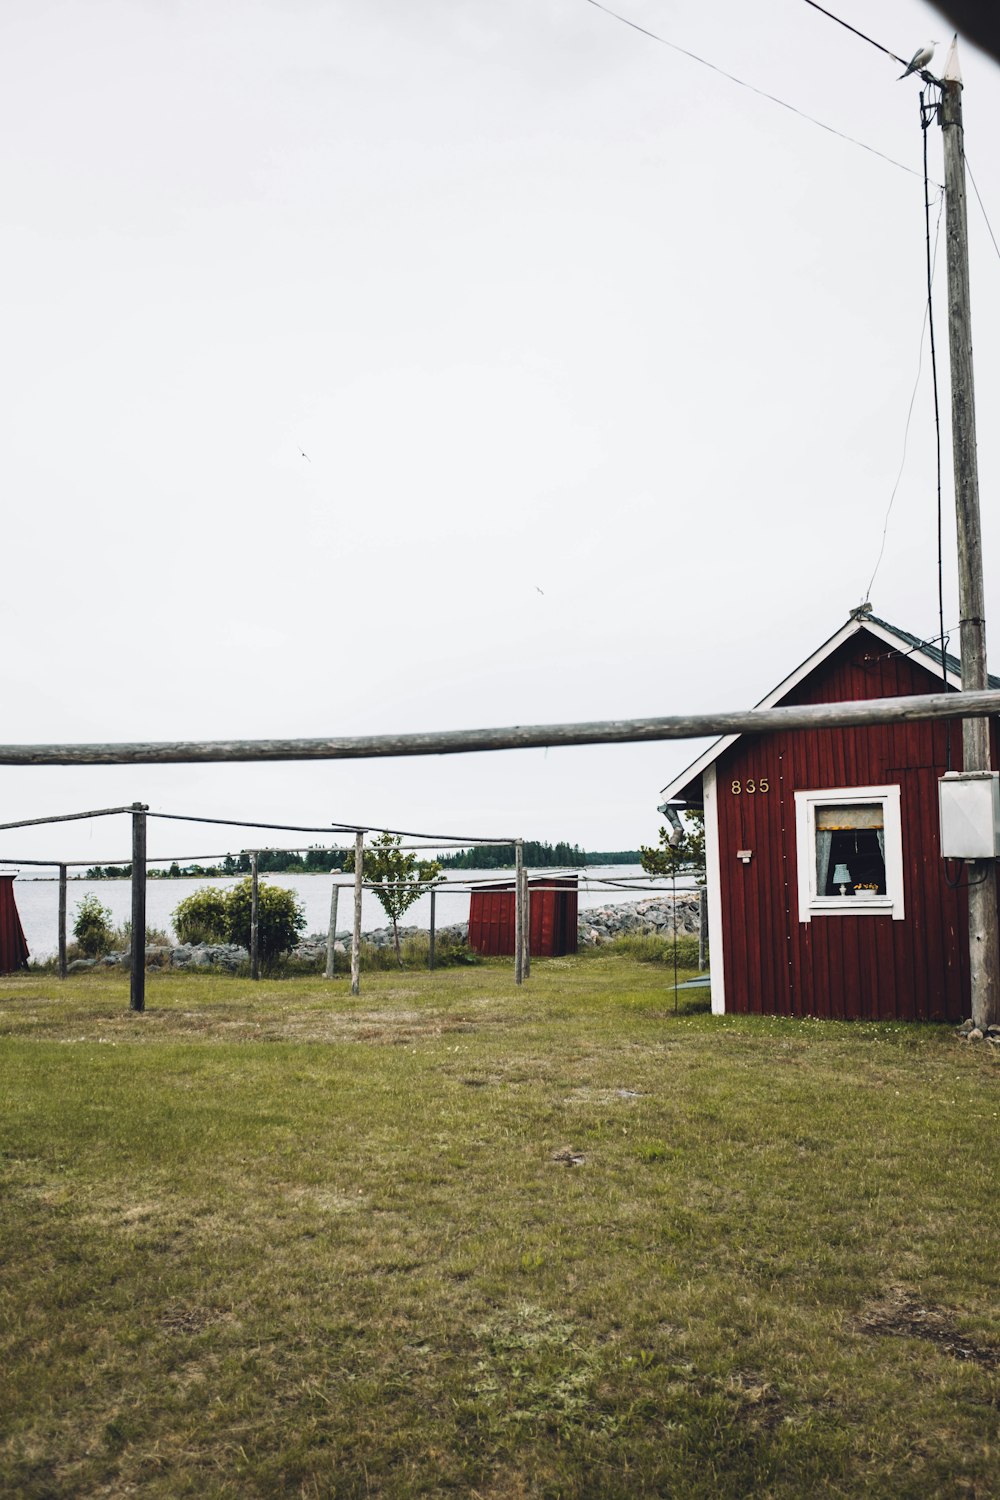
[(92, 928), (397, 876), (202, 917), (280, 917), (685, 856)]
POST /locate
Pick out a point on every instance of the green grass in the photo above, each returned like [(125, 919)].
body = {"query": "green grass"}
[(450, 1238), (648, 948)]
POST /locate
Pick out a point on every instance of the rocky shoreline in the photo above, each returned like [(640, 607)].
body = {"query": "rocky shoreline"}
[(602, 924), (598, 924)]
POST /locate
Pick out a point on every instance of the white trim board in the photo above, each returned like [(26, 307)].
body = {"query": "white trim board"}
[(713, 884)]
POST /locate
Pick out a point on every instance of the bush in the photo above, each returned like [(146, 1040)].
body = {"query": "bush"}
[(214, 916), (203, 917), (280, 918), (92, 928)]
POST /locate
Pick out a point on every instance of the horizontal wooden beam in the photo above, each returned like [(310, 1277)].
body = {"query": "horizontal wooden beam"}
[(517, 737), (102, 812)]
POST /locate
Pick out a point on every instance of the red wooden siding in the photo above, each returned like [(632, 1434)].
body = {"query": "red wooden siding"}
[(553, 918), (842, 966), (13, 948)]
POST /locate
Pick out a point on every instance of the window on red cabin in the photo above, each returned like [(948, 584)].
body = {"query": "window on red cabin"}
[(849, 852), (850, 849)]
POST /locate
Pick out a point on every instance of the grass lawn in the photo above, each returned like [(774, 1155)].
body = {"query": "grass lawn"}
[(451, 1238)]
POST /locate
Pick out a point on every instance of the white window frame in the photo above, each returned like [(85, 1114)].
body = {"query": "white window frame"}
[(811, 903)]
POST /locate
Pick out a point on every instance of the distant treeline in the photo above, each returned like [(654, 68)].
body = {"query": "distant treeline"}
[(322, 861), (269, 862), (501, 856)]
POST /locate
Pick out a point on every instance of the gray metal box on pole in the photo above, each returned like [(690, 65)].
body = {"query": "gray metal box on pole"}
[(969, 811)]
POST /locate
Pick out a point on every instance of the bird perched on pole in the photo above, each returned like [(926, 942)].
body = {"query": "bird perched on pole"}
[(919, 60)]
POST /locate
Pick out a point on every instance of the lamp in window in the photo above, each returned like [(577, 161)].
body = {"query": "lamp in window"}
[(842, 878)]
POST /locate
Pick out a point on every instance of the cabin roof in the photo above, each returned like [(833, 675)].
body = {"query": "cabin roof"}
[(926, 653)]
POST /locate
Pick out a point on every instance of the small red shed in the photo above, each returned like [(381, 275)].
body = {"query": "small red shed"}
[(827, 894), (552, 917), (13, 948)]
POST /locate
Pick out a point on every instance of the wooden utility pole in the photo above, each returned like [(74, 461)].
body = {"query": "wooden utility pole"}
[(137, 957), (984, 947)]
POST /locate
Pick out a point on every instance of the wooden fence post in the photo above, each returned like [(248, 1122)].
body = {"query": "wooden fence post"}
[(430, 951), (673, 902), (62, 921), (254, 918), (137, 966), (526, 926), (331, 937), (359, 860), (519, 912)]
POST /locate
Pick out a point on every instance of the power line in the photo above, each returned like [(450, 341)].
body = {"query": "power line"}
[(753, 88), (909, 413), (865, 38), (982, 205), (895, 56)]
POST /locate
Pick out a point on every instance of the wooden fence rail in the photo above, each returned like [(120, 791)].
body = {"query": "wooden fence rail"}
[(518, 737)]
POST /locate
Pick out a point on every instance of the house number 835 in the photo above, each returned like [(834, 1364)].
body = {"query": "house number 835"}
[(751, 785)]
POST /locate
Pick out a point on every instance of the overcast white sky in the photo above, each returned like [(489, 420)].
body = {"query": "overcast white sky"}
[(601, 364)]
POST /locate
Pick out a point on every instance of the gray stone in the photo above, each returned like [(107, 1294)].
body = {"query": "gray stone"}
[(228, 956), (79, 964), (654, 915)]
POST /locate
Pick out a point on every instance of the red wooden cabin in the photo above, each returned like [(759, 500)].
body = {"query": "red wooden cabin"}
[(13, 948), (552, 917), (827, 895)]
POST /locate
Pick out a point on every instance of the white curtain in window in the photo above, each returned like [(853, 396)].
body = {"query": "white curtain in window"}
[(880, 834), (824, 847)]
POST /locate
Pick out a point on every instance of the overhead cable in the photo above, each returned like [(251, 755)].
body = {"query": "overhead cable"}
[(982, 205), (904, 62), (654, 36), (925, 323)]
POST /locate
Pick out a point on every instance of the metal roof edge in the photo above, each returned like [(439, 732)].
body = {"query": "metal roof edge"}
[(929, 659)]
